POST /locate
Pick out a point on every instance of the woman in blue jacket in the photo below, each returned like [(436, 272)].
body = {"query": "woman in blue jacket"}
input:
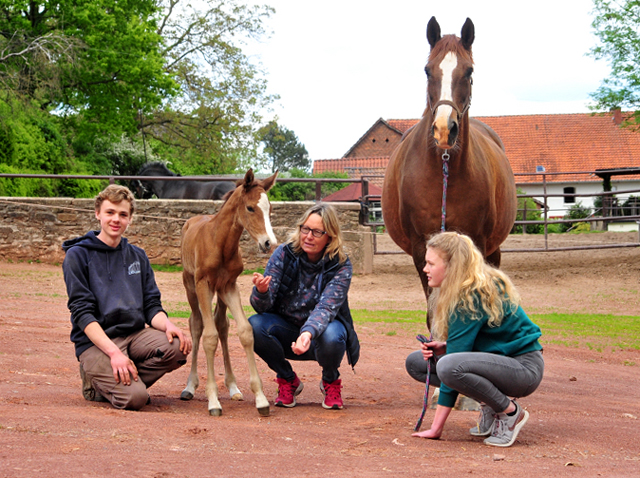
[(302, 307), (484, 344)]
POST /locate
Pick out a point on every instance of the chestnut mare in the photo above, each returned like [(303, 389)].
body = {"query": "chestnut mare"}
[(211, 264), (479, 198)]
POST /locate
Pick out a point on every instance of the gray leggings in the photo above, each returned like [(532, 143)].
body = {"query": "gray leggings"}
[(487, 378)]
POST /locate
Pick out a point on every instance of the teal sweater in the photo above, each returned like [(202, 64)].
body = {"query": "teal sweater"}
[(515, 336)]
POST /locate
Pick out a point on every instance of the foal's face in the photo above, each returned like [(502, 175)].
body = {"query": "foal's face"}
[(449, 71), (255, 211)]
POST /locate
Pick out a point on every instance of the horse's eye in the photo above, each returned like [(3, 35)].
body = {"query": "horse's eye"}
[(427, 71), (250, 209)]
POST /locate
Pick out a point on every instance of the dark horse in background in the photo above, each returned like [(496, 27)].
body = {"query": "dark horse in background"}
[(175, 189), (481, 194)]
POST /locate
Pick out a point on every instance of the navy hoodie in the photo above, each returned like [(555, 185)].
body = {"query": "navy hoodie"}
[(113, 286)]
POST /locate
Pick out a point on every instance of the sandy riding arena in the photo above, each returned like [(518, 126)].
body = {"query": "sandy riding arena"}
[(584, 418)]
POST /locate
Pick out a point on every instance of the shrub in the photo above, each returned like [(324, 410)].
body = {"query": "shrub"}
[(304, 191), (577, 211), (581, 227), (554, 228), (533, 214), (631, 207)]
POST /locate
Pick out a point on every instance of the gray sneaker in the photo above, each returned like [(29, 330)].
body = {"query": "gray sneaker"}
[(88, 392), (506, 428), (484, 425)]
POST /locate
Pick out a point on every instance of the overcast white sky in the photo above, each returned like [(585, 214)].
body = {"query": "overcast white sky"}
[(339, 65)]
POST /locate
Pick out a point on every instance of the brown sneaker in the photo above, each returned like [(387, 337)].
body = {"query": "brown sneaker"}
[(88, 392)]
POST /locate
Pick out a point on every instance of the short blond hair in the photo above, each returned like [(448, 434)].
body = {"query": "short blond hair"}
[(331, 225), (116, 194)]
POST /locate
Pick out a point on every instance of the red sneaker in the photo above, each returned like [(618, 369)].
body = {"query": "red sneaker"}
[(287, 392), (332, 398)]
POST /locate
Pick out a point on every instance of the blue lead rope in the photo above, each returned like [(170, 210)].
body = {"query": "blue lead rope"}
[(445, 180)]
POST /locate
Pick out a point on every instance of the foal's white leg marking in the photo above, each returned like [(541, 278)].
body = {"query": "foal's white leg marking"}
[(231, 296), (447, 66), (264, 205)]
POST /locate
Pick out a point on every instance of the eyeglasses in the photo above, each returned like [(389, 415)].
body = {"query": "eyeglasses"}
[(316, 232)]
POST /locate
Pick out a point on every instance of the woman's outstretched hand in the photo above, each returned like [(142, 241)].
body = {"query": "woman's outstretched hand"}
[(301, 345), (261, 282)]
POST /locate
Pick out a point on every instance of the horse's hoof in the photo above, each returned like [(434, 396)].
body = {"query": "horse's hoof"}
[(215, 412), (264, 411), (237, 397), (186, 395)]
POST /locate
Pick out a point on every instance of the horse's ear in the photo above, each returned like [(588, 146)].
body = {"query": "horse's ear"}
[(468, 34), (248, 179), (270, 181), (433, 32)]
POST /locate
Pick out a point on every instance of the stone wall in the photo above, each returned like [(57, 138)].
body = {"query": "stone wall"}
[(33, 229)]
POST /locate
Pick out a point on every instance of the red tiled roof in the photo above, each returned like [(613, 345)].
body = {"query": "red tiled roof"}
[(353, 192), (402, 125), (562, 143), (323, 165), (559, 143)]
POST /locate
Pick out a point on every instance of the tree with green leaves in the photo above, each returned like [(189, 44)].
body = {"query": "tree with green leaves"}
[(169, 75), (282, 150), (304, 191), (528, 210), (617, 26), (97, 62), (210, 126)]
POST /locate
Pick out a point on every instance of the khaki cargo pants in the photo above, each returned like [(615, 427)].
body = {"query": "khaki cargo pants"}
[(153, 356)]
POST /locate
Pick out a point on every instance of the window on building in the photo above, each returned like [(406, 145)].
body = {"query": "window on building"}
[(569, 199)]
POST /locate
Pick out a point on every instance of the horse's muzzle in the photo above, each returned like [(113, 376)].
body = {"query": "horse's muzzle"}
[(445, 132), (265, 246)]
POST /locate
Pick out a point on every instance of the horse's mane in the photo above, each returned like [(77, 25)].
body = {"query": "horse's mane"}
[(449, 43), (157, 165)]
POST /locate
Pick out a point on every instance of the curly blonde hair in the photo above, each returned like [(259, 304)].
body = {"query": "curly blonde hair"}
[(335, 246), (470, 284)]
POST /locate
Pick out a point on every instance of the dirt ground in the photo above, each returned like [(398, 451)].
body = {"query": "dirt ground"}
[(583, 418)]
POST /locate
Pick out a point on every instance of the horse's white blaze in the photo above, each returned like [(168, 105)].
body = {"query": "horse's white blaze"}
[(448, 64), (264, 204)]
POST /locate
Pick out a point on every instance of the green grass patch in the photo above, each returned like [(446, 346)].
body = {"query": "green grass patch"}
[(593, 331), (361, 316), (166, 267), (598, 332), (178, 268)]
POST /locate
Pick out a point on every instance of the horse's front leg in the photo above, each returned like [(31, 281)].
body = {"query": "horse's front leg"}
[(231, 297), (419, 250), (209, 343), (195, 327), (222, 324)]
